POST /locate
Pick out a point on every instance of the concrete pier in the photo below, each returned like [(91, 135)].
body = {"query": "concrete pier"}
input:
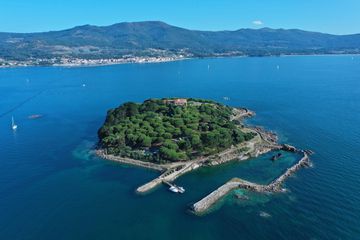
[(168, 176), (205, 203)]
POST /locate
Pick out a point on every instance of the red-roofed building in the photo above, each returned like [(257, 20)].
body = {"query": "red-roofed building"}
[(177, 101), (180, 101)]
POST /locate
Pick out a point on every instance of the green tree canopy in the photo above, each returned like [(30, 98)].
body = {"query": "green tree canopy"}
[(159, 130)]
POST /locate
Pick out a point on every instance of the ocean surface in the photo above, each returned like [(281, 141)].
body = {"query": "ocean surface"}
[(52, 187)]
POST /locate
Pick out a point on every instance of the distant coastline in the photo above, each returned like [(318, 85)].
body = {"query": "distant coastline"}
[(82, 62), (155, 41)]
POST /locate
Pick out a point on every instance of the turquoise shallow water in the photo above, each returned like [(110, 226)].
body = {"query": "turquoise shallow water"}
[(52, 188)]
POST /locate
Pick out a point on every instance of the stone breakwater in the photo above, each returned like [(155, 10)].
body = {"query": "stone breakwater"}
[(204, 204), (275, 186)]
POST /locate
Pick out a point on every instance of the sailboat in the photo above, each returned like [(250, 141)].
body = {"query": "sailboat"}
[(13, 125)]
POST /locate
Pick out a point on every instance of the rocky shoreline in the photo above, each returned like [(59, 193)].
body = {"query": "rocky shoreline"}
[(101, 153)]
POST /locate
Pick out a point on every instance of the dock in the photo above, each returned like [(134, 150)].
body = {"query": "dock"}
[(168, 176)]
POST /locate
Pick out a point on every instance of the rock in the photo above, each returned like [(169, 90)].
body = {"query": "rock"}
[(264, 214), (241, 196), (289, 148)]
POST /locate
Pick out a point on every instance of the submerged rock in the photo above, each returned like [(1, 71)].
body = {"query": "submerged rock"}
[(264, 214), (241, 196)]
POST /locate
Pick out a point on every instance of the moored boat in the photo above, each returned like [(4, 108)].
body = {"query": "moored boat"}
[(176, 189), (13, 125)]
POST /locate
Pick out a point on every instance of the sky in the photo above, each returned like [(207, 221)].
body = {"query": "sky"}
[(329, 16)]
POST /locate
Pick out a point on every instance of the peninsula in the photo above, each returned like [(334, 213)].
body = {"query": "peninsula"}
[(178, 135)]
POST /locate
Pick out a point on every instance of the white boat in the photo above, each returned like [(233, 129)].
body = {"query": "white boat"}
[(174, 189), (13, 125), (181, 190)]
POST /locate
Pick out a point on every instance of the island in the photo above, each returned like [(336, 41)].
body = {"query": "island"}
[(178, 135), (171, 130)]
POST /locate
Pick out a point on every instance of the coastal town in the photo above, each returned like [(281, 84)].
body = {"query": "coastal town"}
[(74, 62)]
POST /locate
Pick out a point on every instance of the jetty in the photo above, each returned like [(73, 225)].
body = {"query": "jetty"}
[(168, 176), (236, 183)]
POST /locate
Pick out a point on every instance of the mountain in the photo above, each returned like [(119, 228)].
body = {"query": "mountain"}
[(157, 38)]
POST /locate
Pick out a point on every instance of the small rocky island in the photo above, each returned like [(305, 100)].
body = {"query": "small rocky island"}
[(171, 130), (177, 135)]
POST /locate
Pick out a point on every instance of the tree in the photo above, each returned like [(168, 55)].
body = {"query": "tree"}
[(167, 135), (177, 122), (195, 140), (169, 154), (131, 140), (145, 141), (184, 144), (238, 136), (170, 145)]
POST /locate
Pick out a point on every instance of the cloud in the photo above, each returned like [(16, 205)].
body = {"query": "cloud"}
[(257, 22)]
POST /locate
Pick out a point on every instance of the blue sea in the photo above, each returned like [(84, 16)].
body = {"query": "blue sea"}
[(53, 187)]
